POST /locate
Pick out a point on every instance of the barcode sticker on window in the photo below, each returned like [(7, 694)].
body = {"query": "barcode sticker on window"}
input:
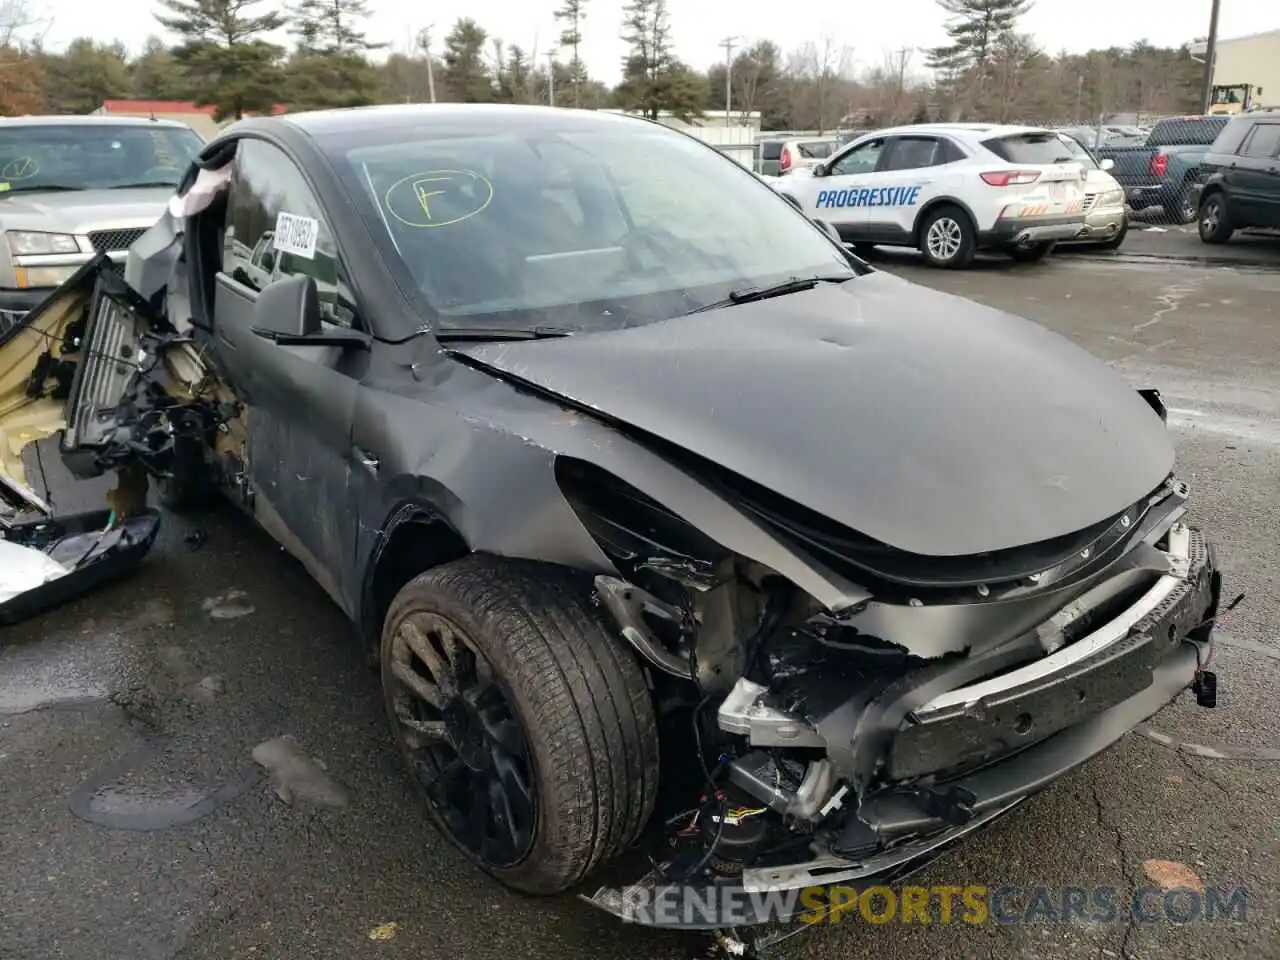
[(296, 235)]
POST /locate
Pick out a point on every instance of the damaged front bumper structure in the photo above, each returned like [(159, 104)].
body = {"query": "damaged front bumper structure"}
[(852, 762), (48, 559)]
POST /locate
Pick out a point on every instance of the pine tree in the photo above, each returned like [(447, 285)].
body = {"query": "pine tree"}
[(515, 76), (975, 29), (330, 68), (329, 26), (228, 65), (465, 70), (572, 13), (653, 80)]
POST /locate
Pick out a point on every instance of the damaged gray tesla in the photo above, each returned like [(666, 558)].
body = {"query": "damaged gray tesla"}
[(673, 526)]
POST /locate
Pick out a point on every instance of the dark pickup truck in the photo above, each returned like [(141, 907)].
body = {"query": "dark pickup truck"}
[(1162, 171)]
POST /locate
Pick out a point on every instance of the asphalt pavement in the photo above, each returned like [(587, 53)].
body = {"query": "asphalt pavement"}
[(136, 824)]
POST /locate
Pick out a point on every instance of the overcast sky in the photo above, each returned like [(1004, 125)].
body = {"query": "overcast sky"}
[(869, 28)]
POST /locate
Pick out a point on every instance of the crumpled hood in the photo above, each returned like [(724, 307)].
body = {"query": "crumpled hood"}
[(926, 421)]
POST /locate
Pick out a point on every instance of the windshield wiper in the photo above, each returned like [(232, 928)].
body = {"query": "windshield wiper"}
[(42, 188), (752, 294), (144, 183), (454, 334)]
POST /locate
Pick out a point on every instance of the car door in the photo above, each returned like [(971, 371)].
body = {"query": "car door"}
[(300, 399), (904, 180), (835, 190), (1254, 176)]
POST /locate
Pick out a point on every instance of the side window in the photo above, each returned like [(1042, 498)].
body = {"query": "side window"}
[(861, 159), (266, 184), (912, 153), (1263, 142)]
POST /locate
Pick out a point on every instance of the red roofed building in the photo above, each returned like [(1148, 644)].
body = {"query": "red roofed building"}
[(199, 119)]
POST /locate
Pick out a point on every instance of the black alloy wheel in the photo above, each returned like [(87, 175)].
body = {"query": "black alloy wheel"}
[(462, 739)]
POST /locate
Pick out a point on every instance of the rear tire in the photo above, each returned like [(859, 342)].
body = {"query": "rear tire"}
[(563, 700), (948, 239), (1215, 219), (1178, 207), (1032, 254)]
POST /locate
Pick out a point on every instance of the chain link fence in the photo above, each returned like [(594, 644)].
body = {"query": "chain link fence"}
[(1156, 165)]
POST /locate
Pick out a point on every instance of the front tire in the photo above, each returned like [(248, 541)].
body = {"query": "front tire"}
[(1215, 219), (948, 238), (526, 723), (1032, 254)]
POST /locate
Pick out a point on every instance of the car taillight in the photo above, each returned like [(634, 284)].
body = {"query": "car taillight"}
[(784, 162), (1005, 178), (1159, 164)]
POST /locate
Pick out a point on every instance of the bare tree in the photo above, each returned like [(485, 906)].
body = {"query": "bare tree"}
[(824, 62), (20, 23)]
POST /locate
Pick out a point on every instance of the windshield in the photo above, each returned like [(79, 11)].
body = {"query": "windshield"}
[(1186, 131), (1078, 152), (1029, 148), (84, 156), (579, 228)]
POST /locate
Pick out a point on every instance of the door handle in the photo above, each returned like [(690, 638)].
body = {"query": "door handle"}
[(366, 459)]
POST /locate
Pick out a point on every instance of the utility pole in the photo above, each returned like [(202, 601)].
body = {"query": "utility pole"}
[(727, 43), (551, 79), (1210, 57), (424, 41)]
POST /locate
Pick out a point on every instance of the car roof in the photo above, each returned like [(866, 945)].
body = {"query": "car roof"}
[(987, 129), (54, 120), (456, 118)]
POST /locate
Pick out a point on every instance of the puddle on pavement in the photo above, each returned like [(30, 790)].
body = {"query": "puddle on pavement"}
[(149, 790), (79, 663), (63, 671), (228, 606), (296, 776)]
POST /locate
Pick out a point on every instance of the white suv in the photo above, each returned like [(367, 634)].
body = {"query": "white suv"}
[(949, 189)]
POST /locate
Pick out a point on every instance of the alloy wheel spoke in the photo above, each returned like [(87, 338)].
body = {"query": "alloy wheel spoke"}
[(444, 781), (479, 816), (511, 803), (420, 643), (419, 686), (423, 733)]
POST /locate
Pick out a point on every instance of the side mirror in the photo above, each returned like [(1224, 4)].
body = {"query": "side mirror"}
[(288, 307), (818, 170), (1107, 164)]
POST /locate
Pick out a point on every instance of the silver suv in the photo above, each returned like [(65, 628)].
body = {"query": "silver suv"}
[(72, 187)]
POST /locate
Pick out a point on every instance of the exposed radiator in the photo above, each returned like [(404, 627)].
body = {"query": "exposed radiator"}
[(108, 365)]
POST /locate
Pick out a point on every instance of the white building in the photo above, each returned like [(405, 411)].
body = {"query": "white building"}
[(1246, 72)]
